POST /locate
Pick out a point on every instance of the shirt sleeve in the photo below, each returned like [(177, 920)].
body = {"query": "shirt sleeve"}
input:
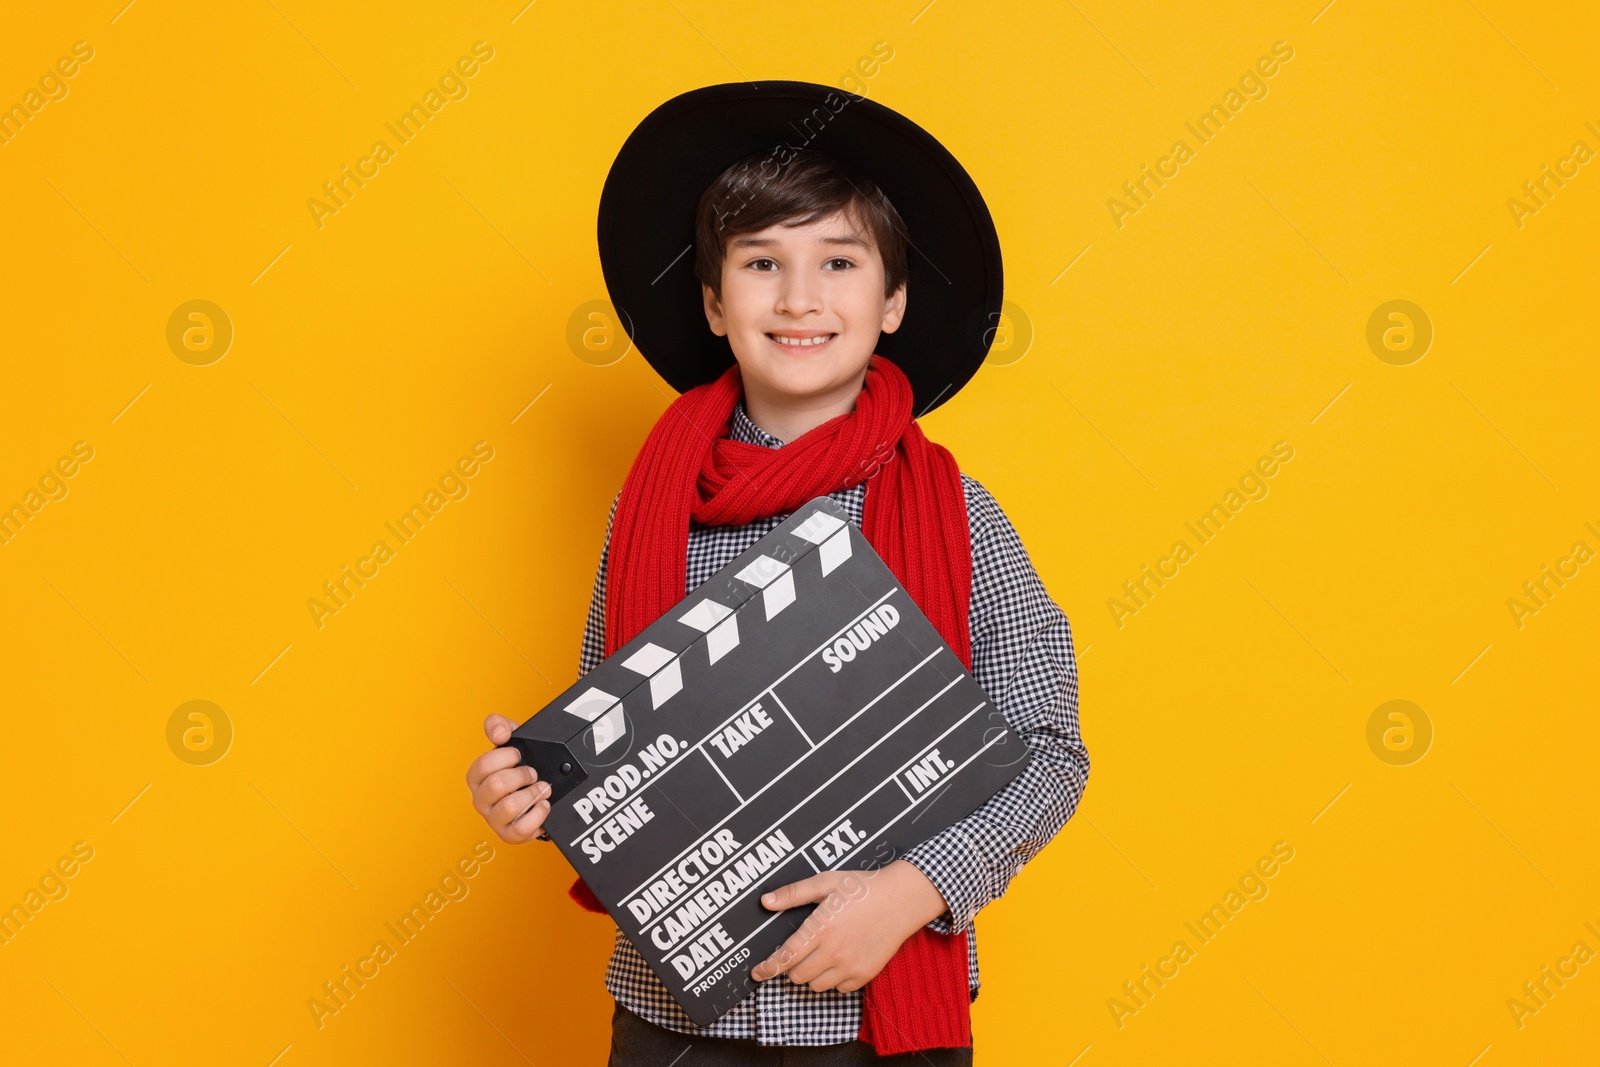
[(594, 631), (1022, 657)]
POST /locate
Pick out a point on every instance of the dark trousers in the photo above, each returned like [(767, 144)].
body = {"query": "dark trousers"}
[(637, 1042)]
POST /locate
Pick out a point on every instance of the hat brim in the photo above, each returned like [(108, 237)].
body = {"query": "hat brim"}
[(646, 227)]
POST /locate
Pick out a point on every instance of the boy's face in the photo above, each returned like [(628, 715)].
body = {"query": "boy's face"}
[(822, 283)]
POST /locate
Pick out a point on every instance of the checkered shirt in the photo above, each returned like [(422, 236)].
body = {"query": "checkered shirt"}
[(1022, 658)]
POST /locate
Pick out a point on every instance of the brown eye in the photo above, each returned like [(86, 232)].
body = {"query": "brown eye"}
[(841, 259)]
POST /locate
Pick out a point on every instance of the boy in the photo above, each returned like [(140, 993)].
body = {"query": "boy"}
[(802, 268)]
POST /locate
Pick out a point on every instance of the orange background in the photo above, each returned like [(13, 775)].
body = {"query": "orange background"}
[(1145, 367)]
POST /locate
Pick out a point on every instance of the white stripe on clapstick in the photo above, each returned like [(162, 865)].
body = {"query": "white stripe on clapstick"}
[(666, 684), (723, 639), (780, 594), (590, 704), (762, 571), (705, 616), (661, 667), (775, 578), (648, 659), (818, 528), (828, 531), (835, 550), (607, 729)]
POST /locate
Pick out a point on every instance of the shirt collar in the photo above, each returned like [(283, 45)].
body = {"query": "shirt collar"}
[(742, 429)]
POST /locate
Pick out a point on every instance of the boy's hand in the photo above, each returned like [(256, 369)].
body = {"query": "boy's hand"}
[(861, 919), (507, 793)]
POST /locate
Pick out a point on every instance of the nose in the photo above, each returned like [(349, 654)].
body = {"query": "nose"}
[(799, 292)]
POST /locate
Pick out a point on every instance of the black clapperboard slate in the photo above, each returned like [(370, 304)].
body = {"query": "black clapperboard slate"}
[(742, 741)]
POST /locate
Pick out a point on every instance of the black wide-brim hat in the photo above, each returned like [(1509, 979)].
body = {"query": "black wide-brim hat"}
[(647, 226)]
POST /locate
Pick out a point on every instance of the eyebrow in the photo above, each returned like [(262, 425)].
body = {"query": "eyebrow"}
[(752, 241)]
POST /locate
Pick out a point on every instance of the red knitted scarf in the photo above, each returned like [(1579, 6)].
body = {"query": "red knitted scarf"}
[(914, 516)]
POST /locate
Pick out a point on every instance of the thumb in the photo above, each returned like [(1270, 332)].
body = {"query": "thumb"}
[(805, 891), (499, 728)]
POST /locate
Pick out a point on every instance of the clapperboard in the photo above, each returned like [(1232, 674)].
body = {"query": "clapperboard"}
[(796, 713)]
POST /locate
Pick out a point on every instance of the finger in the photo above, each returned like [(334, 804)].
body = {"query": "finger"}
[(496, 759), (788, 955), (832, 978), (805, 891), (810, 969), (510, 808), (526, 826), (499, 728), (501, 783), (770, 966)]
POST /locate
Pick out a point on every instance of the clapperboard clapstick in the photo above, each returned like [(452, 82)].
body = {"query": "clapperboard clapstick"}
[(796, 713)]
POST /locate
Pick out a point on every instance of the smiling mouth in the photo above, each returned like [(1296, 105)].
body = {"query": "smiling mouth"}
[(801, 344)]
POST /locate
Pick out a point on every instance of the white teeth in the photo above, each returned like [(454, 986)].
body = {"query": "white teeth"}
[(800, 342)]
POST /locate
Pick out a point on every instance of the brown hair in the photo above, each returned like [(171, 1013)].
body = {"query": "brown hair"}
[(748, 197)]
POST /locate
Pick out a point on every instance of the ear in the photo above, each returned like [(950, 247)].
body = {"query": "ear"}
[(719, 325), (894, 310)]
